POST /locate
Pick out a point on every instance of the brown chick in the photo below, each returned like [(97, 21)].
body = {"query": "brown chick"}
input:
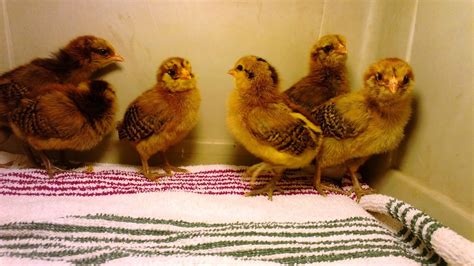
[(163, 115), (368, 121), (327, 77), (265, 125), (66, 117), (72, 64)]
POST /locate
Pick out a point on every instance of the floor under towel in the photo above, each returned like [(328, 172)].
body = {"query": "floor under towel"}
[(115, 216)]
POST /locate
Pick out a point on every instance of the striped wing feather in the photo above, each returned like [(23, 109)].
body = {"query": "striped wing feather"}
[(277, 128), (137, 126)]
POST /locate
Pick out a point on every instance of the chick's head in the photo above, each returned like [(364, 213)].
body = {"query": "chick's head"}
[(388, 80), (92, 52), (251, 72), (329, 50), (176, 74)]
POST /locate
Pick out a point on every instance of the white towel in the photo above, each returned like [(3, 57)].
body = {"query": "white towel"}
[(116, 216)]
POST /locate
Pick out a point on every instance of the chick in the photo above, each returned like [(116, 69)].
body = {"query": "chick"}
[(163, 115), (74, 63), (366, 122), (66, 117), (327, 77), (259, 118)]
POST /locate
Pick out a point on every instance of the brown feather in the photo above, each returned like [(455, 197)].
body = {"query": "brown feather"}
[(72, 64), (263, 120), (327, 77), (332, 123), (66, 117), (368, 121), (163, 115)]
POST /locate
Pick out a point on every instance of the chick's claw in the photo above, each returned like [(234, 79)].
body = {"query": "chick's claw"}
[(53, 170), (328, 187), (152, 176), (268, 190), (169, 169), (360, 192)]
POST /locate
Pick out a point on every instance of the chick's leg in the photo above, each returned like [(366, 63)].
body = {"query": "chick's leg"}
[(254, 171), (50, 168), (169, 169), (352, 167), (146, 169), (270, 187), (320, 187), (248, 173)]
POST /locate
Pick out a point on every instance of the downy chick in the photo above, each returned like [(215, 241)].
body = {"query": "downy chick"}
[(163, 115), (66, 117), (74, 63), (264, 124), (327, 77), (368, 121)]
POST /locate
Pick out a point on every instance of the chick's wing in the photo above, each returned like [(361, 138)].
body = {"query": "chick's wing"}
[(278, 127), (138, 125), (49, 116), (338, 123)]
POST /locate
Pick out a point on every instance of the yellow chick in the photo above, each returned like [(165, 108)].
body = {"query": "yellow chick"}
[(327, 77), (260, 120), (163, 115), (368, 121)]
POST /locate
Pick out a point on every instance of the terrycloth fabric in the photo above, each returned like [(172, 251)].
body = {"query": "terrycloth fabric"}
[(115, 216), (417, 227)]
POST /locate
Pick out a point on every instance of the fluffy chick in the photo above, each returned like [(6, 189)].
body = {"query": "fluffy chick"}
[(66, 117), (163, 115), (368, 121), (327, 77), (259, 118), (74, 63)]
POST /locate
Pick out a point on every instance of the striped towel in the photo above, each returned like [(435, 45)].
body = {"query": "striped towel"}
[(115, 216)]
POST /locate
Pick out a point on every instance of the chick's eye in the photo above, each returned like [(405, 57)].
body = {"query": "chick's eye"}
[(102, 51), (240, 67), (378, 76), (328, 48), (406, 79), (171, 72)]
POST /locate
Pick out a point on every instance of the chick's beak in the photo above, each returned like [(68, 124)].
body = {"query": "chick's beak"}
[(342, 50), (185, 74), (231, 72), (116, 58), (392, 86)]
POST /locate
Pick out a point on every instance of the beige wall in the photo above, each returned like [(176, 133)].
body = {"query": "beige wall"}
[(211, 34), (435, 162)]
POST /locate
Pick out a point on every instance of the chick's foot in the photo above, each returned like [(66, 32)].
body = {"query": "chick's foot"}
[(152, 176), (359, 191), (268, 190), (169, 169), (321, 187)]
